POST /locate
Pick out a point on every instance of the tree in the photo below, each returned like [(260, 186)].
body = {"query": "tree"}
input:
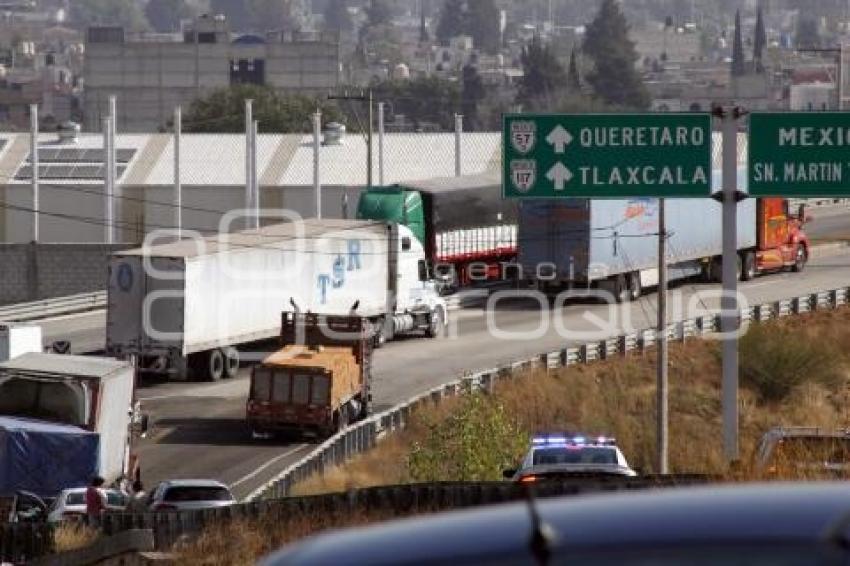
[(451, 22), (759, 42), (482, 23), (165, 15), (573, 77), (378, 13), (254, 15), (614, 77), (223, 110), (425, 100), (337, 17), (543, 76), (473, 93), (125, 13), (738, 68), (808, 35), (478, 19), (270, 14)]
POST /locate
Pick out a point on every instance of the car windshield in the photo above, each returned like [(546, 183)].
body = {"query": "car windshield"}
[(813, 450), (575, 455), (197, 493), (76, 498), (116, 498)]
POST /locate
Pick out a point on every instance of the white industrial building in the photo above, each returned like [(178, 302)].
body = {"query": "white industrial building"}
[(71, 194)]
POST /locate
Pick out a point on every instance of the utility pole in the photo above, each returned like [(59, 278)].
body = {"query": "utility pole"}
[(458, 136), (317, 141), (255, 180), (34, 165), (111, 164), (178, 188), (369, 149), (108, 179), (249, 183), (362, 98), (381, 143), (662, 417), (729, 313)]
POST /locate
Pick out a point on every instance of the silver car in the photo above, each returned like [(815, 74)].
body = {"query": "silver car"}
[(186, 495)]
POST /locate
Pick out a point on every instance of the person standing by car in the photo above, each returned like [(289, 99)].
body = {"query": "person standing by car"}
[(138, 502), (95, 498)]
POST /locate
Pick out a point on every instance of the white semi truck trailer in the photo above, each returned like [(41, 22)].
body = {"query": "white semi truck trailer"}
[(182, 308)]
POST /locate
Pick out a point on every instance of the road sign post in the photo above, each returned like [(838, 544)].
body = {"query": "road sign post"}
[(799, 154), (606, 155)]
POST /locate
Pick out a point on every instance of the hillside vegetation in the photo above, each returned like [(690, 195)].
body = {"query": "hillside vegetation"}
[(792, 372)]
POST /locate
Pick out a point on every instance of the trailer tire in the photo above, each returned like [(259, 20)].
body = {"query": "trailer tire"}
[(379, 338), (801, 256), (748, 266), (436, 323), (215, 365), (231, 362), (342, 418), (635, 287)]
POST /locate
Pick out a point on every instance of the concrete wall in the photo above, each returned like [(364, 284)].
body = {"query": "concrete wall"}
[(32, 272), (150, 79)]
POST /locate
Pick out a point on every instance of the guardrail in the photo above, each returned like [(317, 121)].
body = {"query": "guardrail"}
[(27, 541), (364, 435), (70, 304)]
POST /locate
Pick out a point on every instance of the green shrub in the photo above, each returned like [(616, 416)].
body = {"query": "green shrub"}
[(775, 361), (475, 443)]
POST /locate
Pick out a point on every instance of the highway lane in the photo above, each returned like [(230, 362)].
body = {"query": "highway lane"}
[(199, 429), (86, 331)]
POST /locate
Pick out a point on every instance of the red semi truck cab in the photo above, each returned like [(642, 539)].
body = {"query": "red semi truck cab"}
[(781, 240)]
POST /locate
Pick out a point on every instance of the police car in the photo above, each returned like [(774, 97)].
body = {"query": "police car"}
[(556, 455)]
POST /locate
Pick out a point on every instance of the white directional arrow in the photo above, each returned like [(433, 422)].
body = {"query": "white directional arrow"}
[(559, 138), (559, 175)]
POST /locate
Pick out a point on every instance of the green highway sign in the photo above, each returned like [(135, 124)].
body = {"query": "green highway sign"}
[(799, 154), (606, 155)]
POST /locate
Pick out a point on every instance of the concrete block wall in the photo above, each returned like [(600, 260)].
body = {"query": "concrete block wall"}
[(30, 272)]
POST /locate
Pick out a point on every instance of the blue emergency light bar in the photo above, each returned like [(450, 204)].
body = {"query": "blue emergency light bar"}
[(564, 439)]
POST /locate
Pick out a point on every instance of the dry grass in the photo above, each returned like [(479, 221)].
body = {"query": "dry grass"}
[(617, 397), (73, 535), (242, 543)]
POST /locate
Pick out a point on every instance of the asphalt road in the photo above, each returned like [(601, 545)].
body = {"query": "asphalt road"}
[(198, 428)]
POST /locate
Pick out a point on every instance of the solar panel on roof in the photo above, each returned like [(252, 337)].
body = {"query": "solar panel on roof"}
[(95, 155), (24, 172), (124, 155), (87, 172), (55, 171)]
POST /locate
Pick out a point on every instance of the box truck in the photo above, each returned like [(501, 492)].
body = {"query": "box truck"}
[(181, 308), (64, 419), (17, 339), (613, 244), (467, 229), (319, 382)]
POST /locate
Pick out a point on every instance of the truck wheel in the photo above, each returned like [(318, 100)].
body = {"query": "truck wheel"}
[(342, 418), (379, 338), (800, 258), (748, 268), (231, 362), (436, 323), (635, 288), (620, 286), (215, 365)]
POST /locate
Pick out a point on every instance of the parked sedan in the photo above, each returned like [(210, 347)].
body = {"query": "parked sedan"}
[(184, 495), (787, 524), (71, 503)]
